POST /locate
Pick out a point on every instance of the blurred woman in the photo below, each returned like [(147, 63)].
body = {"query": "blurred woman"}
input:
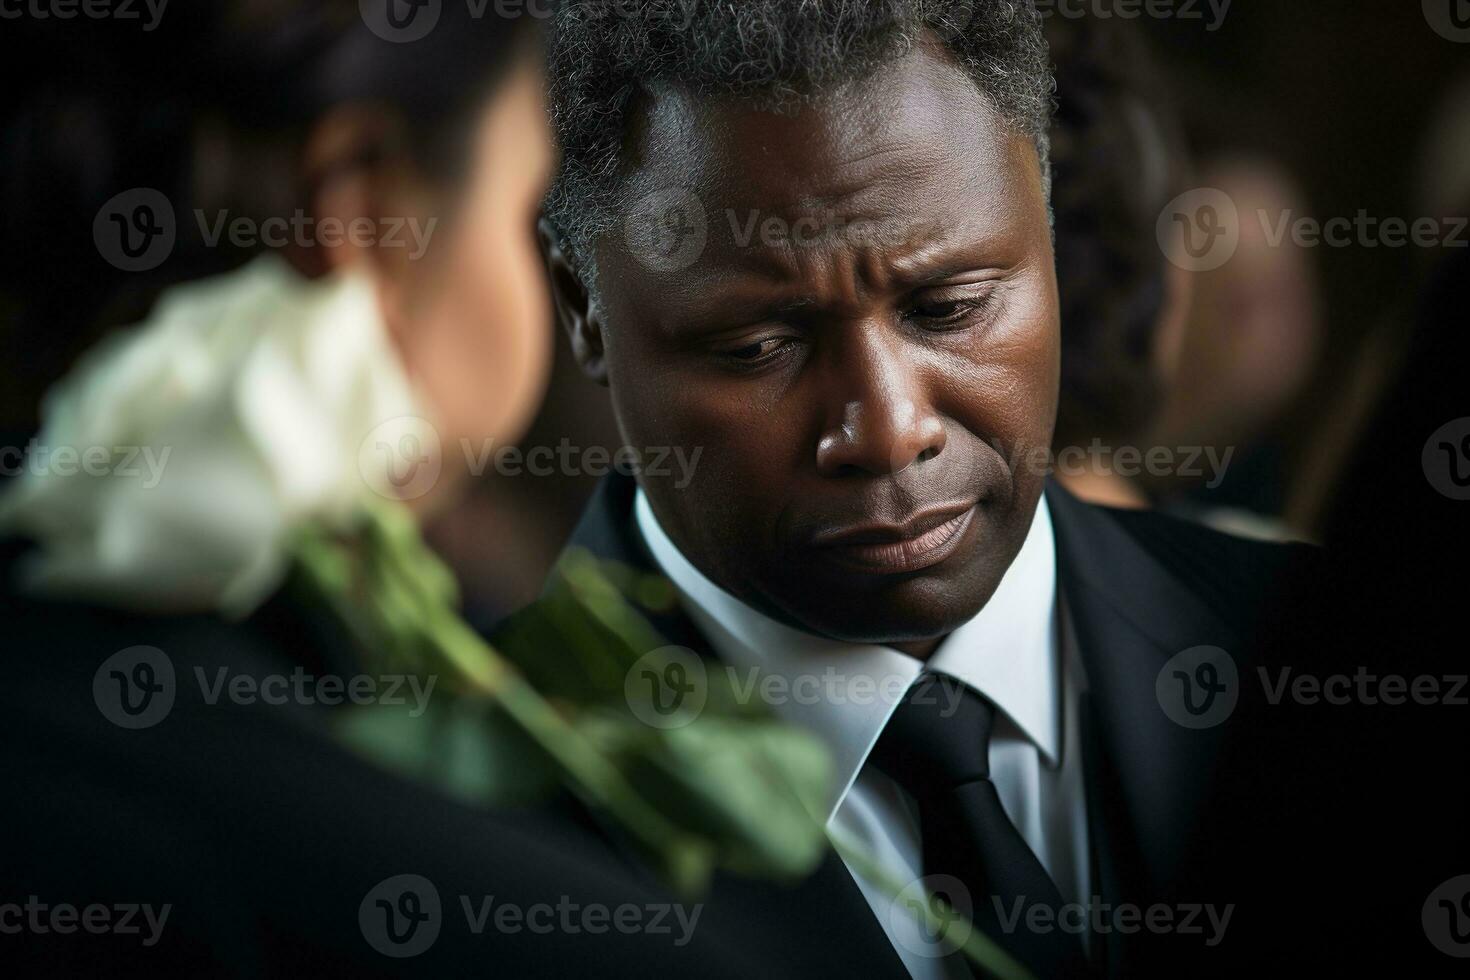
[(345, 294)]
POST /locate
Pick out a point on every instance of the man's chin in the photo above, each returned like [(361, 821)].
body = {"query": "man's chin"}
[(914, 613)]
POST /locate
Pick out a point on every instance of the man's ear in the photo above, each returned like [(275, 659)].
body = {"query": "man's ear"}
[(575, 310)]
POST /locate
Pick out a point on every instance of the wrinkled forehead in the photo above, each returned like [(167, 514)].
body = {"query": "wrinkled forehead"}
[(891, 178), (916, 113)]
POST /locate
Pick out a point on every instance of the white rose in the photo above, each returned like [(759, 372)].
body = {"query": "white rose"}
[(246, 403)]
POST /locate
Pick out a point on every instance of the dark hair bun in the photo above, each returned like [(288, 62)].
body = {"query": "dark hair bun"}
[(104, 106)]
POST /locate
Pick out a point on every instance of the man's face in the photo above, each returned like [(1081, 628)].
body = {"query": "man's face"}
[(864, 349)]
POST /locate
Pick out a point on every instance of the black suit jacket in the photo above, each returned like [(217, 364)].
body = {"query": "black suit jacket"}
[(265, 837), (1141, 588)]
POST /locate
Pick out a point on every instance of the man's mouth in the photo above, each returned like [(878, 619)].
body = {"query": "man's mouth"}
[(922, 541)]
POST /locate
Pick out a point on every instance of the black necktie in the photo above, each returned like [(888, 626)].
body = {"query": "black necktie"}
[(937, 749)]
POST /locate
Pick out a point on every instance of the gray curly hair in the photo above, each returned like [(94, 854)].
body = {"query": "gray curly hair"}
[(605, 57)]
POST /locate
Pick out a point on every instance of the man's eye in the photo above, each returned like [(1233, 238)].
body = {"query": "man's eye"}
[(948, 312), (759, 350)]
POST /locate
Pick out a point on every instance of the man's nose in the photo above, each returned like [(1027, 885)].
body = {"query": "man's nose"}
[(880, 420)]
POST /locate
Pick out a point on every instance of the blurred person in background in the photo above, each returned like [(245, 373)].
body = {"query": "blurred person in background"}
[(1444, 164), (1371, 642), (275, 538), (1383, 484), (503, 536), (1117, 159), (1156, 355), (1244, 356), (1441, 184)]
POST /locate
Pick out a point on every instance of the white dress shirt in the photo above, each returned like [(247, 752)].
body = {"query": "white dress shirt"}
[(1012, 652)]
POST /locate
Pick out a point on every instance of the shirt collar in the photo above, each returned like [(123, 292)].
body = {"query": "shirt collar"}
[(845, 692)]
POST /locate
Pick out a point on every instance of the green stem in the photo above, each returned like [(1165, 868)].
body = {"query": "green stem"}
[(598, 775)]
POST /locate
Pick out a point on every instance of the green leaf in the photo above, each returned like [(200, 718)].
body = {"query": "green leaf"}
[(733, 789), (755, 787), (462, 747)]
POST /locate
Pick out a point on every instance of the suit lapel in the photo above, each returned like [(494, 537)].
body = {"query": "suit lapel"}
[(820, 926), (1145, 775)]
